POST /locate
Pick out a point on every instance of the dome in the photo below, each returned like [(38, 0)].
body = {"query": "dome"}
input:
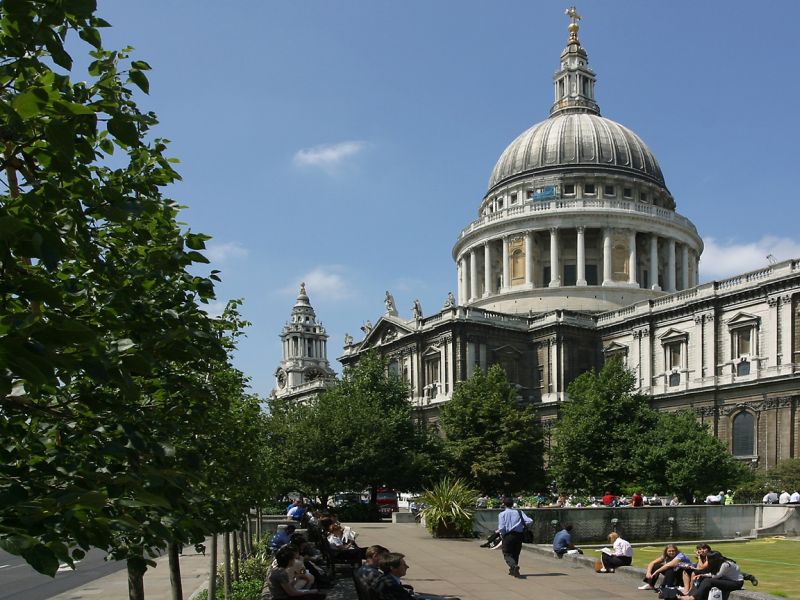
[(577, 139)]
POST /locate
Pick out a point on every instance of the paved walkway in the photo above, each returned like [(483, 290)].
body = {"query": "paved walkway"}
[(458, 567), (194, 576), (462, 568)]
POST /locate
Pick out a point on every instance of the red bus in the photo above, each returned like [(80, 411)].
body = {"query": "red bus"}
[(387, 501)]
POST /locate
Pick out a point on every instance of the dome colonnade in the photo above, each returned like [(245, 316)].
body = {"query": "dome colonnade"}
[(578, 211)]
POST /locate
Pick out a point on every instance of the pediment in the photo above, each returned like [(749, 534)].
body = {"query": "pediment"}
[(615, 347), (673, 335), (507, 351), (742, 319), (432, 351), (386, 330)]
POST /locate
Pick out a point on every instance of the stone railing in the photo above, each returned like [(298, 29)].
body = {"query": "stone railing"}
[(580, 205), (701, 292)]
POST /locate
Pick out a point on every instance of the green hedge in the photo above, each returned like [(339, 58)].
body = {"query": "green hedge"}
[(359, 513)]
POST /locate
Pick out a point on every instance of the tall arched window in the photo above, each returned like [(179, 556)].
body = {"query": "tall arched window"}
[(744, 434)]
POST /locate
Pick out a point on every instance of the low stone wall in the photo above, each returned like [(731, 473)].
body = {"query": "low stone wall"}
[(660, 523)]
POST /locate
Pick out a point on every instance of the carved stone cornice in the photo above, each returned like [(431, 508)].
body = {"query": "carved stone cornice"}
[(705, 411), (758, 405), (641, 332)]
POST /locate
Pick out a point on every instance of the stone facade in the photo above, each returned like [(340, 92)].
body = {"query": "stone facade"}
[(578, 254)]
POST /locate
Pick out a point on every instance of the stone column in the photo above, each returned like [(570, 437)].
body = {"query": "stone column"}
[(654, 263), (529, 259), (608, 273), (670, 280), (696, 269), (473, 274), (684, 267), (555, 280), (581, 251), (460, 280), (487, 269), (506, 279), (632, 258)]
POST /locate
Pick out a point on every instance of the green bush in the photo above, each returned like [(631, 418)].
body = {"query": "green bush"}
[(359, 513), (254, 568), (240, 590)]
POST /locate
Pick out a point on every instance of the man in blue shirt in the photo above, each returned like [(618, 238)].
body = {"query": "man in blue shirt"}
[(510, 524), (562, 542)]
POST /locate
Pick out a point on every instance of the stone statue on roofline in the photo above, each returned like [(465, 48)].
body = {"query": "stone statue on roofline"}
[(450, 301), (416, 310), (391, 308)]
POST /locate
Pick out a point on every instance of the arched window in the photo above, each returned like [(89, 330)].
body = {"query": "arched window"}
[(744, 434)]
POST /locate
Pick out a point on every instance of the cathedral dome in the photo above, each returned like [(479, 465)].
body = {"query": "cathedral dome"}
[(576, 140)]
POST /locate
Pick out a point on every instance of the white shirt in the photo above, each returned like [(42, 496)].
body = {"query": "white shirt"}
[(795, 498), (622, 548), (784, 499)]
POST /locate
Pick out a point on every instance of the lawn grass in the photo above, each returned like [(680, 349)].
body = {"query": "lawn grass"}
[(775, 561)]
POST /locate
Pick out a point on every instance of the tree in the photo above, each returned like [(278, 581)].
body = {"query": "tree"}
[(597, 429), (608, 436), (360, 434), (489, 439), (680, 455), (103, 343)]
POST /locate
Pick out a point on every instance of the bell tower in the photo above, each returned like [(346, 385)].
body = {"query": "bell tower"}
[(304, 371)]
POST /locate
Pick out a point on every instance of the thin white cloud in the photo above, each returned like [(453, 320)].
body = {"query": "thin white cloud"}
[(331, 158), (215, 308), (724, 259), (324, 281), (220, 253)]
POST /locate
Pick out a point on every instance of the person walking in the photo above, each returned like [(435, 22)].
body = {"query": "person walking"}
[(510, 524)]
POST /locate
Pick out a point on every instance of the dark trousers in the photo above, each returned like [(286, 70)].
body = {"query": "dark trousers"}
[(612, 561), (512, 546), (672, 578), (706, 583)]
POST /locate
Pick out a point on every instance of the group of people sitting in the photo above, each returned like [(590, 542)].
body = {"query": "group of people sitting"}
[(379, 578), (679, 577)]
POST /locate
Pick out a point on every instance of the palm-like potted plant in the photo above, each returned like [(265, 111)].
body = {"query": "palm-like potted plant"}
[(448, 508)]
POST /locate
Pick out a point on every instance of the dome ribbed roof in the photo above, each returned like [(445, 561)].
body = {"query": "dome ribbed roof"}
[(577, 139)]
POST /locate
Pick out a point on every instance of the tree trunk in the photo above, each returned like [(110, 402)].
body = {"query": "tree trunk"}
[(243, 551), (249, 530), (212, 577), (136, 569), (173, 550), (235, 557), (258, 524), (226, 573)]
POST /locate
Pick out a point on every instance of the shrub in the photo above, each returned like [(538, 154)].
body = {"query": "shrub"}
[(249, 589), (448, 508)]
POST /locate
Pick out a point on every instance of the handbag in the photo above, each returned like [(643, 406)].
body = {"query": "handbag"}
[(527, 534)]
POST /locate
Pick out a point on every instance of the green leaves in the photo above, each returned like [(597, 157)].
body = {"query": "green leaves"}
[(489, 439), (124, 130)]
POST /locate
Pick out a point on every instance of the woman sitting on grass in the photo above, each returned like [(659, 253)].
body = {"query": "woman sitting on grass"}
[(722, 573), (668, 565)]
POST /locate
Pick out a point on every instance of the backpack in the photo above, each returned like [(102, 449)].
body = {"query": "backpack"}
[(715, 594)]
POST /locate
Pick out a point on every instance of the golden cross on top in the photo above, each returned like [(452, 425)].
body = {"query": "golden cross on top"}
[(572, 13)]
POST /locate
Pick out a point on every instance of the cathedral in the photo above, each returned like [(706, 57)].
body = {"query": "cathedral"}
[(578, 253)]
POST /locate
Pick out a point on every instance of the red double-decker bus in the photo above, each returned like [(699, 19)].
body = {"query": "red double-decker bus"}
[(387, 501)]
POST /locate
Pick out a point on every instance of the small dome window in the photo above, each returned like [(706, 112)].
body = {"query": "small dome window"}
[(588, 189), (609, 190)]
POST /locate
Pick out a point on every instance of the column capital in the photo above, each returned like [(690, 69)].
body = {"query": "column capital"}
[(580, 228)]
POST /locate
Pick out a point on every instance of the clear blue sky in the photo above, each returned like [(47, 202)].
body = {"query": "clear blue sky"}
[(346, 143)]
